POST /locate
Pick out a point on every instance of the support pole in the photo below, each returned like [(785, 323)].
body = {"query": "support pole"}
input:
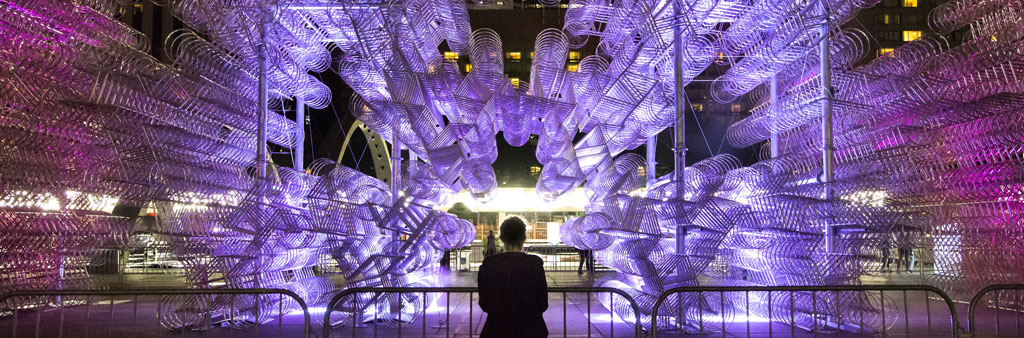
[(396, 160), (773, 93), (396, 171), (300, 134), (261, 101), (652, 161), (828, 160), (261, 113), (679, 150)]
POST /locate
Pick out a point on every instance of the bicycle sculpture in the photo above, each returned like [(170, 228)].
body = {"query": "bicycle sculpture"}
[(927, 145), (92, 123)]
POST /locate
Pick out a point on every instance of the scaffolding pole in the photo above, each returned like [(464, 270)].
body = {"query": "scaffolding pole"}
[(828, 153), (679, 150), (261, 101), (652, 161), (396, 160), (773, 95), (300, 134)]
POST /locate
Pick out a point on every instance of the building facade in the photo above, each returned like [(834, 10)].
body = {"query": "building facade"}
[(892, 23)]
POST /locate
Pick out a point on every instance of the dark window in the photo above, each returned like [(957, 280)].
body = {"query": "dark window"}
[(889, 35)]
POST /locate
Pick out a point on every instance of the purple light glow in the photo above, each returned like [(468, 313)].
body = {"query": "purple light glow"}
[(928, 142)]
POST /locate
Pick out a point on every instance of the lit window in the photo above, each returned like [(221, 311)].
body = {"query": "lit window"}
[(573, 67), (909, 3), (534, 171), (885, 19), (514, 56), (531, 55), (911, 35), (884, 51), (469, 67), (451, 55), (515, 81), (697, 107), (641, 170), (574, 55), (736, 108)]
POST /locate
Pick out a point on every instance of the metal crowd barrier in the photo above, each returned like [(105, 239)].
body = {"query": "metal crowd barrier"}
[(817, 295), (378, 292), (83, 331), (834, 319), (1015, 305)]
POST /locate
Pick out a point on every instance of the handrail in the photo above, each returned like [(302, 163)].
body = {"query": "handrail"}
[(169, 292), (977, 299), (353, 291), (804, 288)]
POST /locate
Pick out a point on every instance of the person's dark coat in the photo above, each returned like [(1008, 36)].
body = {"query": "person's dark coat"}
[(514, 293)]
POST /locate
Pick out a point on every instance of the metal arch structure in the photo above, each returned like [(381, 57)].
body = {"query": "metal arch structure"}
[(377, 147)]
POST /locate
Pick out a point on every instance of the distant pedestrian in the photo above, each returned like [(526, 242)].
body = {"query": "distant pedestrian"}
[(904, 256), (586, 259), (904, 249), (490, 247), (885, 256)]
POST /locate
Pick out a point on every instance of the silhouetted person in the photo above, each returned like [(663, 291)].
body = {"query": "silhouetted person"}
[(904, 257), (513, 289), (489, 246), (904, 250), (886, 246), (585, 260), (885, 258)]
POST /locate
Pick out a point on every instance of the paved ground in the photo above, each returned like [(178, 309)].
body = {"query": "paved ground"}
[(567, 316)]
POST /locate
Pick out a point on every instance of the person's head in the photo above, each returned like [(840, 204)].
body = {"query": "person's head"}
[(513, 233), (492, 232)]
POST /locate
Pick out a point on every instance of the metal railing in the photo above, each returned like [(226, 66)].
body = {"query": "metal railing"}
[(151, 260), (355, 320), (1016, 306), (808, 312), (560, 258), (197, 313), (49, 306)]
